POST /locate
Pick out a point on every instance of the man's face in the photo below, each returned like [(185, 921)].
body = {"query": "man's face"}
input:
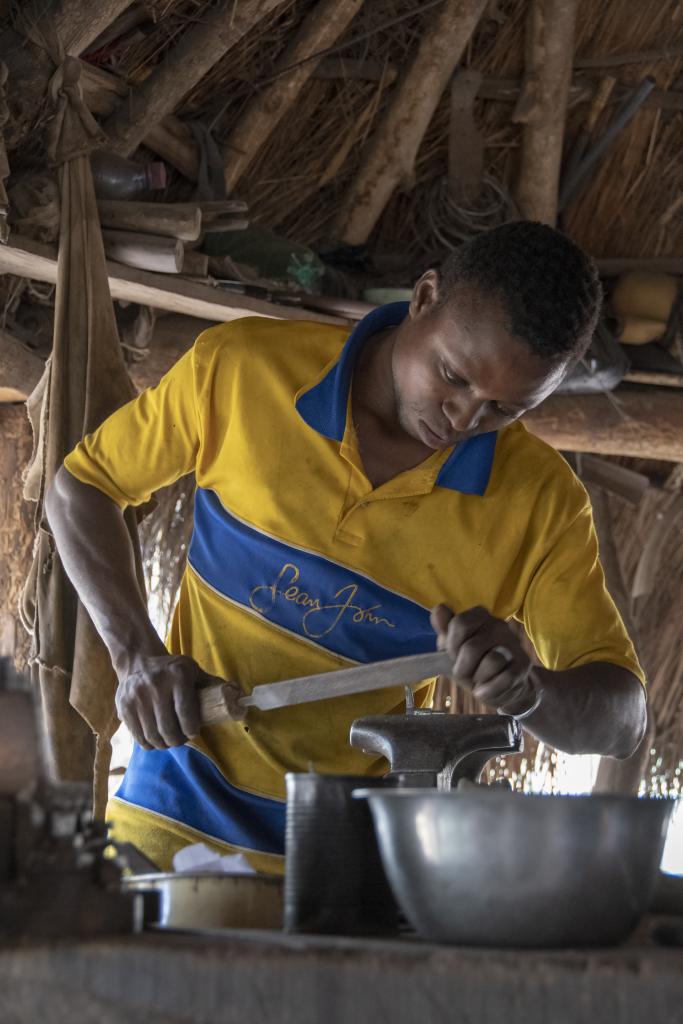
[(457, 371)]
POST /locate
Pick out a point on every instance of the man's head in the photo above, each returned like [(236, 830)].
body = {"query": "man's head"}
[(492, 333)]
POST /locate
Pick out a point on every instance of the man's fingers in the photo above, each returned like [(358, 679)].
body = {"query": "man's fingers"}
[(465, 626), (167, 722), (149, 727), (187, 709), (439, 619), (503, 689), (493, 662), (132, 723)]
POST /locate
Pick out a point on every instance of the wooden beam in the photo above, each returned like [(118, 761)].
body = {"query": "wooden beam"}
[(173, 141), (612, 267), (320, 29), (26, 258), (542, 106), (390, 156), (80, 22), (200, 48), (648, 423)]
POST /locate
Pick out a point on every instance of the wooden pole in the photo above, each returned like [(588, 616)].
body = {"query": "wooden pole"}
[(320, 29), (172, 140), (542, 106), (647, 423), (25, 258), (390, 156), (182, 221), (199, 49)]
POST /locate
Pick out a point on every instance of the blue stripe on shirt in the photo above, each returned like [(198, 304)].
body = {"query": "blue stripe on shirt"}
[(314, 597), (184, 784)]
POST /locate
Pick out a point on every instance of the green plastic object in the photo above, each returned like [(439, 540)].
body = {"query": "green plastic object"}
[(261, 256)]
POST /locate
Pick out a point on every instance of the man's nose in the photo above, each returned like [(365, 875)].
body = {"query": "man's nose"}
[(464, 414)]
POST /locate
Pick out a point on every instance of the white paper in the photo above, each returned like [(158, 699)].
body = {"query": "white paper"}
[(199, 857)]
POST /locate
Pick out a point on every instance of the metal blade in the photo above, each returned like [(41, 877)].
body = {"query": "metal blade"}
[(377, 675)]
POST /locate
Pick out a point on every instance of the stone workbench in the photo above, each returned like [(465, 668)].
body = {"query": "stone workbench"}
[(241, 977)]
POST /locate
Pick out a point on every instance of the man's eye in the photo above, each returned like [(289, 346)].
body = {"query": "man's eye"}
[(451, 377), (507, 413)]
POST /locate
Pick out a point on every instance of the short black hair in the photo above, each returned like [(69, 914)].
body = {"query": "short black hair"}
[(549, 287)]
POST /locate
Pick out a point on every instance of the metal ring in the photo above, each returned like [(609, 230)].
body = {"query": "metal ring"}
[(505, 651)]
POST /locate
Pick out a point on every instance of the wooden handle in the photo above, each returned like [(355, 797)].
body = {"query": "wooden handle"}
[(215, 703)]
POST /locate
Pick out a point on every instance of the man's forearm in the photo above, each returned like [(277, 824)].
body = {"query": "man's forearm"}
[(597, 708), (96, 551)]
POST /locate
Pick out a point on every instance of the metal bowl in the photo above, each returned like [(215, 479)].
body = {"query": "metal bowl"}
[(212, 900), (494, 868)]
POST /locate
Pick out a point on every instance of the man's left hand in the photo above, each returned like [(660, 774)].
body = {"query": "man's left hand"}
[(488, 659)]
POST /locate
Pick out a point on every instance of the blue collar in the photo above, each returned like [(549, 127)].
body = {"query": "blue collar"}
[(323, 407)]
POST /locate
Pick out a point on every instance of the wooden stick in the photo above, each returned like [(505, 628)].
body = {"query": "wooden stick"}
[(26, 258), (173, 141), (612, 477), (228, 222), (320, 29), (216, 32), (195, 264), (182, 221), (390, 156), (543, 104), (147, 252)]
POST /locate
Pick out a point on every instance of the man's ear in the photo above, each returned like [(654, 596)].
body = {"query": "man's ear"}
[(425, 294)]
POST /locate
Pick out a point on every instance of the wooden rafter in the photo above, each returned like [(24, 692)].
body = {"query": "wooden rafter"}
[(390, 157), (542, 105), (79, 22), (199, 49), (321, 28)]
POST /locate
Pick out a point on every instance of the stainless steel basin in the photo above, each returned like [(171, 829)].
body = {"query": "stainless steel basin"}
[(494, 868)]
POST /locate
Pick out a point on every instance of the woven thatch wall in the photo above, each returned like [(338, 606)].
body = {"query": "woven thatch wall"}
[(16, 529)]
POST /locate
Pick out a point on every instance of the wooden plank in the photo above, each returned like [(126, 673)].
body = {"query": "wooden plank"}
[(26, 258)]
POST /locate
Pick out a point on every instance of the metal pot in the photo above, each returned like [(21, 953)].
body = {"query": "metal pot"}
[(211, 900), (493, 868)]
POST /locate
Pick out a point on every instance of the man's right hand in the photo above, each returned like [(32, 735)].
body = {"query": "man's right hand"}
[(157, 699)]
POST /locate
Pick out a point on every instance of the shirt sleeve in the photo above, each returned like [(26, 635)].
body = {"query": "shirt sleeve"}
[(567, 612), (147, 443)]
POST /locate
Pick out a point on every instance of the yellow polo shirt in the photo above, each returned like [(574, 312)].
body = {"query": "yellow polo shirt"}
[(298, 565)]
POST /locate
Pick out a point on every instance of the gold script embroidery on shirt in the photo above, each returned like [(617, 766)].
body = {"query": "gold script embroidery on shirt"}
[(316, 613)]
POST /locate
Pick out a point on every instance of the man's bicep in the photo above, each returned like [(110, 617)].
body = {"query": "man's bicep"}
[(568, 611), (145, 445)]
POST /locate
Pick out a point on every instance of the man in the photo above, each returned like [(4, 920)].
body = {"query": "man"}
[(346, 485)]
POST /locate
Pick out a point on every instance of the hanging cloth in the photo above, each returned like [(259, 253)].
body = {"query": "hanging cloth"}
[(84, 381)]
